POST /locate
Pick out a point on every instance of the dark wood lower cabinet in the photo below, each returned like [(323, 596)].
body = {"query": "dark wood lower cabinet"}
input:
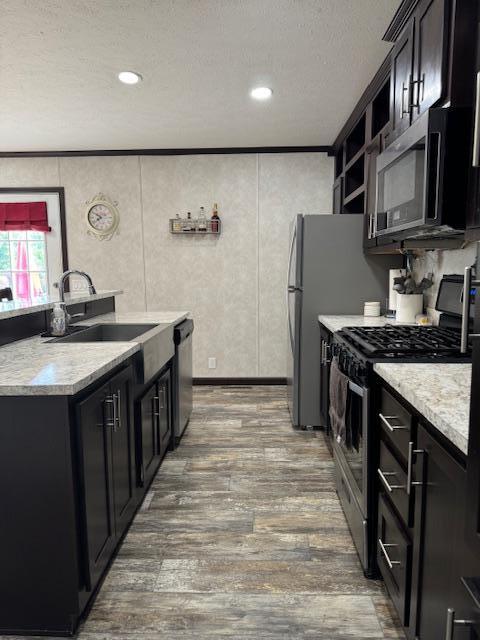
[(423, 552), (69, 492), (439, 529), (154, 427), (164, 412), (95, 468)]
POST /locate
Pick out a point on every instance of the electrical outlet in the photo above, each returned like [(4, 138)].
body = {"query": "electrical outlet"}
[(212, 363)]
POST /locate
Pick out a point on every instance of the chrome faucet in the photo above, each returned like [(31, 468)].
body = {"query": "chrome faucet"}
[(67, 274), (61, 287)]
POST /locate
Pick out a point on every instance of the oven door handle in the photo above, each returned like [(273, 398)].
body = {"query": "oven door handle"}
[(360, 391)]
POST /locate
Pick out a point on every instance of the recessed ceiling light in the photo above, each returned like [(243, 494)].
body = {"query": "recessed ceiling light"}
[(129, 77), (261, 93)]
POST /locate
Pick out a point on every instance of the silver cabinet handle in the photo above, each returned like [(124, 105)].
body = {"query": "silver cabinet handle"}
[(410, 482), (383, 547), (392, 427), (476, 133), (119, 410), (115, 411), (110, 402), (451, 622), (418, 84), (389, 487), (404, 112), (156, 406), (162, 398)]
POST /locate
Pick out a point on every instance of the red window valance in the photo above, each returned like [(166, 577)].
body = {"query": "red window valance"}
[(24, 216)]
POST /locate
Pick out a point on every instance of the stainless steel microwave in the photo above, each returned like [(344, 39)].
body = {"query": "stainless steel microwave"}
[(422, 177)]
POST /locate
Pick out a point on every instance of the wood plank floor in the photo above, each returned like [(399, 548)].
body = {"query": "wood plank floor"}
[(241, 536)]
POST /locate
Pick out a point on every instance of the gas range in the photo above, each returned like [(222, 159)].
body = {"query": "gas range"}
[(358, 348)]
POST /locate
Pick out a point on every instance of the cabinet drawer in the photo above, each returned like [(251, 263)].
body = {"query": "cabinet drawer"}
[(393, 481), (396, 422), (394, 551)]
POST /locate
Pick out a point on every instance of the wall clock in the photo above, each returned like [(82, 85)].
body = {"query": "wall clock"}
[(102, 217)]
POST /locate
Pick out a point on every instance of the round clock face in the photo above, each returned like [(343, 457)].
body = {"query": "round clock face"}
[(101, 218)]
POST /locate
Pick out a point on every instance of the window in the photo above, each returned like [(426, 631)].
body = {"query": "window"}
[(23, 263), (32, 261)]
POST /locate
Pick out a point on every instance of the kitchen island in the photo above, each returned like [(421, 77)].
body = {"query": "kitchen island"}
[(83, 434)]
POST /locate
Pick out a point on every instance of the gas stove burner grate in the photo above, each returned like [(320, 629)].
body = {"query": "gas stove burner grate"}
[(404, 340)]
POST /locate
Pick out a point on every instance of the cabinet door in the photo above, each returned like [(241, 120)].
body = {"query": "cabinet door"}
[(94, 419), (123, 468), (400, 82), (441, 502), (164, 412), (430, 41), (148, 436)]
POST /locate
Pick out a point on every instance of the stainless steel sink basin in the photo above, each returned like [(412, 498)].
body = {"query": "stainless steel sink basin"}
[(155, 341), (108, 333)]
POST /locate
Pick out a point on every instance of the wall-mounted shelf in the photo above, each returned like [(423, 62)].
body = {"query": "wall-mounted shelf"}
[(195, 227)]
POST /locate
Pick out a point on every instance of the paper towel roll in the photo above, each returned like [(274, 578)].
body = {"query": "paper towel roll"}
[(392, 297)]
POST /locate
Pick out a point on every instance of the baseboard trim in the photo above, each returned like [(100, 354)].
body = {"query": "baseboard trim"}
[(238, 381)]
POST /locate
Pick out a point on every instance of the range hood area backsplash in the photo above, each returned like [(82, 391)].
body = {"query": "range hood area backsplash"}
[(441, 262)]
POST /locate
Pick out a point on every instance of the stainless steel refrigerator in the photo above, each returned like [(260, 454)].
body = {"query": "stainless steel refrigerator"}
[(328, 273)]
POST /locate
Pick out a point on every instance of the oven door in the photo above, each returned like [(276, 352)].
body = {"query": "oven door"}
[(401, 180), (352, 451), (351, 469)]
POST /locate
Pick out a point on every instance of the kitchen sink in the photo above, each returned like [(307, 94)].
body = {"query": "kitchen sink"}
[(107, 333), (155, 342)]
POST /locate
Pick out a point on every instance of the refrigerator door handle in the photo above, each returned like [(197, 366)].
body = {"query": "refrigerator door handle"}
[(292, 245)]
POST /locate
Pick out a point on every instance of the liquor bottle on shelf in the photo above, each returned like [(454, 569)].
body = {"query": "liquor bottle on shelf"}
[(187, 225), (215, 223), (177, 224), (202, 220)]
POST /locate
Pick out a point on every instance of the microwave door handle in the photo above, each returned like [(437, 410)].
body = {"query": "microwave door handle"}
[(476, 134), (433, 174)]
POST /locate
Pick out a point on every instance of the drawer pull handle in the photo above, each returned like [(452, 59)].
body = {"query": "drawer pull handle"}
[(391, 427), (383, 547), (411, 453), (389, 487), (451, 622)]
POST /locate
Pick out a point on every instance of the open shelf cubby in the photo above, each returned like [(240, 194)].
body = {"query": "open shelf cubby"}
[(355, 176), (381, 109), (356, 204), (355, 140)]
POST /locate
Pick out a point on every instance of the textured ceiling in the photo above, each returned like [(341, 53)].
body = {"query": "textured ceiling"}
[(59, 60)]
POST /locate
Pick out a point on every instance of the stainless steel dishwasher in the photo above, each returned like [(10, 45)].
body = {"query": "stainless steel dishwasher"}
[(182, 377)]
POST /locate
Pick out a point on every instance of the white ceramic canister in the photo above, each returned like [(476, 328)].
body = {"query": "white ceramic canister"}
[(408, 306)]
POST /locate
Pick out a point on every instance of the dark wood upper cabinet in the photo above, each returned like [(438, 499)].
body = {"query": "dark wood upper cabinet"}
[(400, 82), (431, 38)]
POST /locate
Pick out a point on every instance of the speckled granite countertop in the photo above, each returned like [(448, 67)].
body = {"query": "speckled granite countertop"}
[(335, 323), (23, 307), (35, 367), (440, 392)]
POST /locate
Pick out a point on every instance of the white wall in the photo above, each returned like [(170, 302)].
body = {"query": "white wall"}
[(234, 285)]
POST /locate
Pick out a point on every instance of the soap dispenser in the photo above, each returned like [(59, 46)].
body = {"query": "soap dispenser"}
[(58, 320)]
